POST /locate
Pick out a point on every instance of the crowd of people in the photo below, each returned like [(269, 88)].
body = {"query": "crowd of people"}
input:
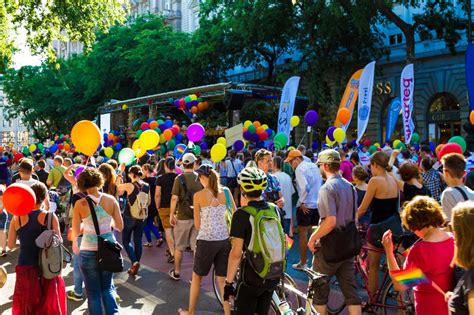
[(218, 210)]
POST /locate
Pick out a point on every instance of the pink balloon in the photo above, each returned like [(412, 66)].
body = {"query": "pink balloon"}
[(195, 132), (449, 148)]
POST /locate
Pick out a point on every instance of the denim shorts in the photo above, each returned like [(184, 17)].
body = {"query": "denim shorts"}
[(3, 220)]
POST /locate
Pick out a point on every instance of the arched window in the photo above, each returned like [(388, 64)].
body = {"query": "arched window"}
[(444, 120)]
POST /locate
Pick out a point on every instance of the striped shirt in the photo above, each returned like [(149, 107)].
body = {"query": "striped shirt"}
[(89, 236)]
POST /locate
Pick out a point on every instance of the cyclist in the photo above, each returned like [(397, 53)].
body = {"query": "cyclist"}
[(253, 293)]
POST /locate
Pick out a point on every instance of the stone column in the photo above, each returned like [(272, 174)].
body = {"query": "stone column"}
[(132, 116)]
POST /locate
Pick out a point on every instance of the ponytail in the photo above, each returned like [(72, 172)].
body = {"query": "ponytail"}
[(214, 183)]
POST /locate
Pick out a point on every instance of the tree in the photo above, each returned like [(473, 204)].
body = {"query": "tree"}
[(256, 32), (49, 20)]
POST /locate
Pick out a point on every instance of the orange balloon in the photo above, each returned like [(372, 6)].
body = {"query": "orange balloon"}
[(153, 124), (438, 148), (1, 149), (257, 124), (111, 136), (471, 117), (201, 105), (194, 109), (260, 130), (343, 115), (168, 134), (67, 147), (206, 104)]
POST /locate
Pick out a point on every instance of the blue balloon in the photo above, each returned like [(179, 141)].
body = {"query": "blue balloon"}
[(150, 120), (238, 145), (118, 147), (162, 127), (168, 123), (116, 133), (432, 146), (269, 132), (53, 148), (315, 145), (150, 151), (204, 146), (260, 144), (178, 138)]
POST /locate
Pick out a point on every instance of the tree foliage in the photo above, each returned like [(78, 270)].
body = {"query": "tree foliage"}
[(49, 20)]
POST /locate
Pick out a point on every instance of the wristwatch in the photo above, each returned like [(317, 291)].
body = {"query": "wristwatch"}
[(228, 283)]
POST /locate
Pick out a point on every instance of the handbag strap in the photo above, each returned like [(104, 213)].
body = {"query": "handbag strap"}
[(94, 215), (232, 163), (354, 203)]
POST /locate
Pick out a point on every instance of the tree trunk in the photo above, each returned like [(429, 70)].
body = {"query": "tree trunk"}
[(410, 44)]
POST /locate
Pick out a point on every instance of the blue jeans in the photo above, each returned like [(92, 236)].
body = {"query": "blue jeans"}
[(151, 228), (77, 271), (98, 284), (135, 227)]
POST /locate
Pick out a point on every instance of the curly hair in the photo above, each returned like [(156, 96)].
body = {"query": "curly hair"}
[(90, 177), (422, 212)]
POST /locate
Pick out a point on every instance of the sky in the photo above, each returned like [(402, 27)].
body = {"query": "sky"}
[(23, 56)]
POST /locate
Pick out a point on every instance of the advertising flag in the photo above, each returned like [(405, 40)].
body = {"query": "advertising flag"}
[(392, 116), (287, 104), (366, 86), (349, 98), (407, 86), (470, 74)]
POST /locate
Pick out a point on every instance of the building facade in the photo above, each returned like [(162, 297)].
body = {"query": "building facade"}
[(12, 131)]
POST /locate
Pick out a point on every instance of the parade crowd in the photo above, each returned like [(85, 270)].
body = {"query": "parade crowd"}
[(219, 210)]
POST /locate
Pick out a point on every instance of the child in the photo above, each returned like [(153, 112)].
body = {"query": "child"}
[(3, 225)]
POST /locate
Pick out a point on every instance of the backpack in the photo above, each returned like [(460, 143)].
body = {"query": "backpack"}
[(266, 250), (139, 208), (52, 251), (185, 200)]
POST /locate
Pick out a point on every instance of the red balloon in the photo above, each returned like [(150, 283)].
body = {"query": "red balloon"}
[(18, 156), (144, 126), (19, 199), (449, 148), (175, 130), (263, 135), (60, 146)]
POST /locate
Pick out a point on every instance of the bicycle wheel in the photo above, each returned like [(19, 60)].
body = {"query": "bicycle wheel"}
[(396, 302), (294, 300), (274, 310), (215, 286), (336, 299)]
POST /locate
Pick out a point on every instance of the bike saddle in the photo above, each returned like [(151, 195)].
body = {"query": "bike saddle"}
[(316, 276)]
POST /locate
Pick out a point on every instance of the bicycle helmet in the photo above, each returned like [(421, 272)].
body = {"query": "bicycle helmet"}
[(252, 179)]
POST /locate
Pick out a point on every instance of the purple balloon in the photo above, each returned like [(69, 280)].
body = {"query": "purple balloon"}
[(269, 132), (246, 135), (271, 146), (239, 145), (195, 132), (330, 133), (311, 117), (189, 105), (315, 145), (78, 171), (204, 146), (176, 103), (162, 127), (254, 137)]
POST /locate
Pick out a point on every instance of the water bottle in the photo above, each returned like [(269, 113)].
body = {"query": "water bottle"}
[(284, 308)]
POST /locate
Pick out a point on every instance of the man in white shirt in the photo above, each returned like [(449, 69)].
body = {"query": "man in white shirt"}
[(287, 190)]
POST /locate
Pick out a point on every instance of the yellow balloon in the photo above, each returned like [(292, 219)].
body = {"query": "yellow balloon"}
[(222, 141), (162, 139), (109, 152), (247, 123), (294, 121), (264, 126), (135, 144), (291, 148), (339, 135), (149, 139), (32, 147), (396, 143), (124, 106), (193, 97), (377, 145), (140, 152), (85, 136), (218, 152), (329, 142)]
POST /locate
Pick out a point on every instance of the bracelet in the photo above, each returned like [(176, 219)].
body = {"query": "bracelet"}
[(228, 283)]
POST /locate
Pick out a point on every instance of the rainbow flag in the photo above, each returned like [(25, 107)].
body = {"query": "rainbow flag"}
[(289, 241), (410, 277)]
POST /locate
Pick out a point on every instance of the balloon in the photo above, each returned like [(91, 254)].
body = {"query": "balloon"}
[(78, 171), (171, 144), (218, 152), (252, 129), (195, 132), (330, 133), (201, 106), (110, 136), (118, 147), (53, 148), (32, 147), (294, 121), (239, 145), (260, 130), (246, 135), (179, 150), (124, 107), (438, 148), (17, 157), (280, 140), (415, 138), (264, 126), (247, 123), (168, 134), (315, 145), (109, 152), (153, 124), (254, 137), (263, 136), (459, 140), (194, 109), (377, 145), (40, 146), (149, 139), (162, 139), (257, 124), (343, 115), (329, 142), (168, 123), (395, 143), (339, 135), (127, 156), (471, 117), (204, 146), (196, 150), (150, 120), (311, 117), (449, 148), (372, 149), (85, 136), (193, 97), (19, 199), (144, 126), (401, 146), (222, 141)]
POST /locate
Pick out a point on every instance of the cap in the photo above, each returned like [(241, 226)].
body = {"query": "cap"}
[(329, 156), (188, 158), (293, 154), (204, 169)]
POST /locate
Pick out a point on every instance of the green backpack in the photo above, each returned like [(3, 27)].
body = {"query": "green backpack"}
[(266, 250)]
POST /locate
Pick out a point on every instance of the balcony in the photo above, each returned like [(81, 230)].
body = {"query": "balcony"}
[(169, 14)]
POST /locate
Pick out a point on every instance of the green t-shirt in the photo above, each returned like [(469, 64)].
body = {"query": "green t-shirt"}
[(185, 194), (55, 175)]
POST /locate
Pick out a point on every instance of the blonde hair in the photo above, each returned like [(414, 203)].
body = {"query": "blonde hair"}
[(463, 226), (214, 183)]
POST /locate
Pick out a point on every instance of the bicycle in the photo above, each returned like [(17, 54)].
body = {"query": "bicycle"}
[(386, 299)]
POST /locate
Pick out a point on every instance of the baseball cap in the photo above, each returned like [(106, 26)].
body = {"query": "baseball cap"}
[(188, 158), (293, 154), (329, 156), (204, 169)]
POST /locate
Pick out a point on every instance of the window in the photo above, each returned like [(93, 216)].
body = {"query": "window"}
[(395, 39)]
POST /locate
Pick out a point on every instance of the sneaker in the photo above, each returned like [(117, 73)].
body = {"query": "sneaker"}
[(72, 295), (299, 266), (134, 269), (159, 242), (170, 259), (147, 245), (173, 275)]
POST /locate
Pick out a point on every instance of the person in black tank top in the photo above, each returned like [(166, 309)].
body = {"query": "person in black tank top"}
[(382, 196)]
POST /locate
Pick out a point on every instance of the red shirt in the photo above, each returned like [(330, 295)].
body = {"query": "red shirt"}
[(346, 169), (434, 260)]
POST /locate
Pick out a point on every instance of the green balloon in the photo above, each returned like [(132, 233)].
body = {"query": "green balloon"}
[(415, 138), (280, 140), (459, 140), (138, 133), (196, 150), (162, 149), (127, 156), (252, 129), (372, 149), (158, 130), (171, 144), (160, 122), (401, 146), (40, 146)]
